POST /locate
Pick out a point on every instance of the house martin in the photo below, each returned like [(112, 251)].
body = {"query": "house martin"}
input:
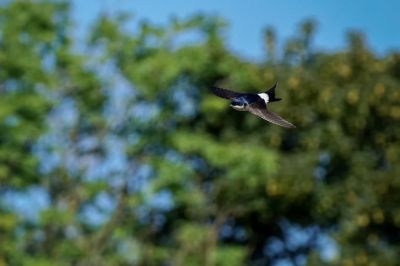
[(256, 103)]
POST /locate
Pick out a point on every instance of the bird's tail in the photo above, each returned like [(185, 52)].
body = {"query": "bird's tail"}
[(271, 93)]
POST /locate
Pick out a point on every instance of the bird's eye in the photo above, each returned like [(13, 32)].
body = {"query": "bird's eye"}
[(236, 103)]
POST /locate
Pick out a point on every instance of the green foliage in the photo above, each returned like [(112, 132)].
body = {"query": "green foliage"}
[(140, 165)]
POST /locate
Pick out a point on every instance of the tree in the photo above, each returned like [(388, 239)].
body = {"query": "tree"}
[(141, 165)]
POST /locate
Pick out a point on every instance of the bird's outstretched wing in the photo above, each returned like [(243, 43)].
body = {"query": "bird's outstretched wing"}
[(224, 93), (265, 114)]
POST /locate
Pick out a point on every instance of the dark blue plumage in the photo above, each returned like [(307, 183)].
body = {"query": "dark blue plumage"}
[(255, 103)]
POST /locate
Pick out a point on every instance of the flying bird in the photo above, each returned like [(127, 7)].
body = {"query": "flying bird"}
[(255, 103)]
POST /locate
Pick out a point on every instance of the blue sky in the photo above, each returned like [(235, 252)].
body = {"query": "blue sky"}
[(379, 20)]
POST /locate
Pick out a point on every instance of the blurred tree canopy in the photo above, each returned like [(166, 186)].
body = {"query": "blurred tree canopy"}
[(114, 152)]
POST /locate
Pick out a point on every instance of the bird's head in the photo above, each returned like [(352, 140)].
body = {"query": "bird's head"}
[(238, 104)]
